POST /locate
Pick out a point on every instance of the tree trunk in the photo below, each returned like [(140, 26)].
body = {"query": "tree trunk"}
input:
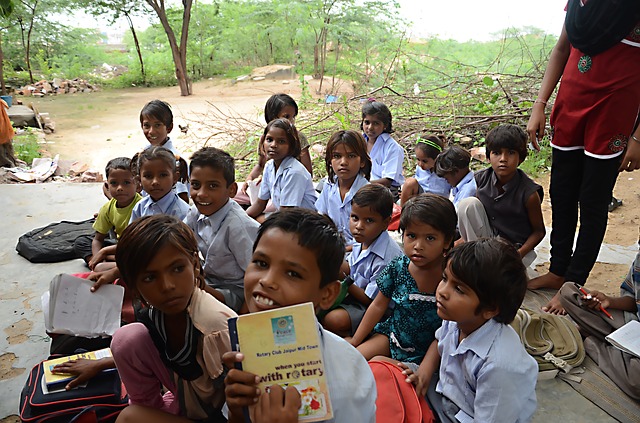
[(179, 53), (3, 87), (28, 49), (135, 40)]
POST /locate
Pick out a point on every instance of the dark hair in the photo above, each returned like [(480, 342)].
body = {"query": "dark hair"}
[(353, 140), (511, 137), (315, 232), (375, 196), (276, 103), (493, 269), (290, 130), (160, 110), (428, 145), (452, 159), (375, 108), (157, 152), (141, 240), (432, 209), (122, 163), (216, 159)]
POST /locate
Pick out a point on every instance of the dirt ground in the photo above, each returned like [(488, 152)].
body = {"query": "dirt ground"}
[(93, 128)]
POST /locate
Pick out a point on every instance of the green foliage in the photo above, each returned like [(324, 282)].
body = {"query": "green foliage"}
[(26, 146)]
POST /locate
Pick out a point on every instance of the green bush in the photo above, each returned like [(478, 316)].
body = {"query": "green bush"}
[(26, 146)]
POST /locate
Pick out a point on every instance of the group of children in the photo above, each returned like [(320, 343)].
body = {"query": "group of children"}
[(438, 307)]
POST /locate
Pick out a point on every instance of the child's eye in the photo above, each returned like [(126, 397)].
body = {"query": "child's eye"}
[(353, 156), (178, 269), (369, 220), (354, 218), (409, 235), (282, 141), (260, 263), (213, 186), (459, 289), (336, 156), (431, 238), (195, 185), (148, 278), (293, 274)]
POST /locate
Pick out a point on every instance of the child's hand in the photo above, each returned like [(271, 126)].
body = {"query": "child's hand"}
[(102, 278), (85, 369), (240, 387), (420, 379), (99, 257), (596, 299), (350, 340), (278, 406)]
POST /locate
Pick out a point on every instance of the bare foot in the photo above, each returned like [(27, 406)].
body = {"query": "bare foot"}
[(548, 280), (554, 306)]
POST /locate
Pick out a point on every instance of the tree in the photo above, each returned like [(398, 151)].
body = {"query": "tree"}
[(179, 52), (6, 8), (118, 9)]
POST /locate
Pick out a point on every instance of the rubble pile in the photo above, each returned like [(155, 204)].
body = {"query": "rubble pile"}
[(57, 86)]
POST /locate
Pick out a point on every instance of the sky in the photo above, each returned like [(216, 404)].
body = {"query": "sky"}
[(461, 20)]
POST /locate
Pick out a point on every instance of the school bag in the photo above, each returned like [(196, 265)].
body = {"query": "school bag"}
[(54, 242), (397, 400), (554, 341), (99, 402)]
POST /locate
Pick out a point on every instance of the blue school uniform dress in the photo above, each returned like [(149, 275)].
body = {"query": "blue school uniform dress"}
[(430, 182), (365, 266), (290, 186), (338, 210), (412, 325), (387, 158), (170, 204), (465, 188), (489, 376)]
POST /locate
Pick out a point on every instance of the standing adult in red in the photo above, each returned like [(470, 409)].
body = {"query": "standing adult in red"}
[(594, 126)]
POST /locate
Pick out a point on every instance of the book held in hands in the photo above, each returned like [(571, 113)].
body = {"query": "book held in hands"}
[(282, 346)]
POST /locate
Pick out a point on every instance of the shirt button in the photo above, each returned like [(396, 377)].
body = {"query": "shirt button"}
[(493, 218)]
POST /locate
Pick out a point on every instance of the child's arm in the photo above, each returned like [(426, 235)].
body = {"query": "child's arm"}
[(429, 365), (101, 255), (257, 208), (358, 294), (626, 303), (84, 369), (305, 159), (373, 315), (103, 278), (534, 211), (240, 387), (97, 243), (382, 181)]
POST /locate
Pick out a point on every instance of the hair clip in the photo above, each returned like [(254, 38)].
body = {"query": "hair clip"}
[(330, 231), (429, 143), (371, 99)]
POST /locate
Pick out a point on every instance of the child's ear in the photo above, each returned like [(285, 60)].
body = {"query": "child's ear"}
[(233, 189), (169, 128), (387, 221), (489, 313), (329, 294), (176, 176)]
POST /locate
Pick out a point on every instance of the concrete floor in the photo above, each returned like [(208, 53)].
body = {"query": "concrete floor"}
[(22, 283)]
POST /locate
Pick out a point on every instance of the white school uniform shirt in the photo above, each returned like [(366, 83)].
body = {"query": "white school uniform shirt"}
[(488, 375), (430, 182), (365, 266), (339, 210), (225, 241), (290, 186), (387, 158), (170, 204)]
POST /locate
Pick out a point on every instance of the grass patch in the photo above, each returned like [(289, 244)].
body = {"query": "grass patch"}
[(26, 146)]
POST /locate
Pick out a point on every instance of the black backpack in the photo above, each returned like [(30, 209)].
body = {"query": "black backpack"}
[(54, 242)]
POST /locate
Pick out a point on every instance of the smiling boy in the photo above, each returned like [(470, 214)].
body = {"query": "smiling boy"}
[(296, 259), (507, 202), (225, 233)]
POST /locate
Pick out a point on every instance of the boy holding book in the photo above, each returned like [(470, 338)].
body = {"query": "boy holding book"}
[(296, 259)]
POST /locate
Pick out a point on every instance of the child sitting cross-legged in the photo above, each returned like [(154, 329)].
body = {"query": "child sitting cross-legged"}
[(507, 201), (485, 374), (296, 259), (225, 233), (453, 165), (371, 210)]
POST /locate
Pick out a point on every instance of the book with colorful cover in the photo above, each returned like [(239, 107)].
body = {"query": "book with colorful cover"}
[(282, 346), (59, 380)]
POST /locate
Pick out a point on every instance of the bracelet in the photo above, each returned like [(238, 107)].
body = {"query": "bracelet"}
[(540, 101), (634, 138)]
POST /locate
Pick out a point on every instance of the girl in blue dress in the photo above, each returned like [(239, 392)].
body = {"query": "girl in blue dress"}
[(428, 224)]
